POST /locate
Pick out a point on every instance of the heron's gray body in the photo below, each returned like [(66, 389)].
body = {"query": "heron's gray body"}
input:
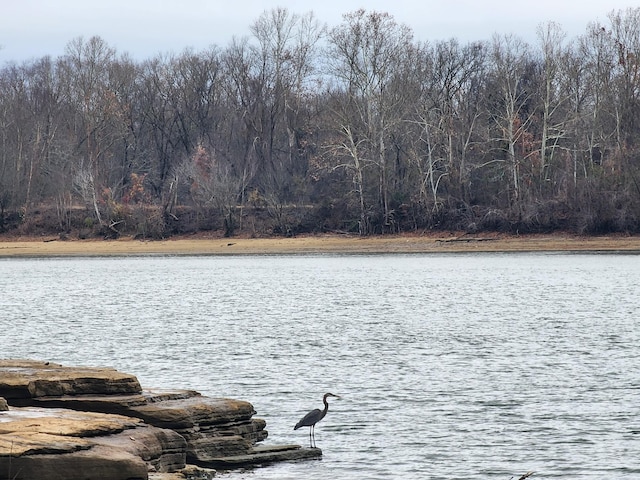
[(311, 418), (314, 416)]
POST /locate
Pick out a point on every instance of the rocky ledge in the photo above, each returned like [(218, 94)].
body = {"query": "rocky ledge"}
[(67, 423)]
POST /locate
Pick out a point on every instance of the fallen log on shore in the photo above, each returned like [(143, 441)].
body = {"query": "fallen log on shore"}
[(465, 240)]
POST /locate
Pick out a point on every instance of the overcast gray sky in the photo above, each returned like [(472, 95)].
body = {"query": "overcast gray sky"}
[(33, 28)]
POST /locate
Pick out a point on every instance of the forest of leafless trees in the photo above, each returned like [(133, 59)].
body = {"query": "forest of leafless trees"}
[(300, 127)]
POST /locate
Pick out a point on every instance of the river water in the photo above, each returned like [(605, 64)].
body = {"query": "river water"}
[(460, 366)]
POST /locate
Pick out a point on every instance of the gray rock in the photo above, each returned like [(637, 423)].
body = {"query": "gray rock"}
[(265, 455), (103, 463), (212, 427), (100, 420), (27, 379), (56, 444)]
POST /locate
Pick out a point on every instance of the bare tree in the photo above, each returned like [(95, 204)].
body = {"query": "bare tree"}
[(447, 113), (598, 56), (368, 57), (553, 97), (511, 109), (625, 34), (579, 93), (272, 79), (212, 185), (97, 120)]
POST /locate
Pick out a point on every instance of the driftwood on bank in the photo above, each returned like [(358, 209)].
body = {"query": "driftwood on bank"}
[(526, 475), (465, 239)]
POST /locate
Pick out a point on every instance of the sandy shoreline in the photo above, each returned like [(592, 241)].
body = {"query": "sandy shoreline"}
[(45, 247)]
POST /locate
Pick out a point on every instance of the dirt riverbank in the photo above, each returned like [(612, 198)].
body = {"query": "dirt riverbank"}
[(211, 245)]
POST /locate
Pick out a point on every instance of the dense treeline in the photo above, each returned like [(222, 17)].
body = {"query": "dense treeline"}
[(358, 128)]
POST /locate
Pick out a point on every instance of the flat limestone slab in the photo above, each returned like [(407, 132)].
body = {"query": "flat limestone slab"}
[(265, 455), (67, 423), (101, 463), (25, 379), (212, 427), (163, 408), (189, 472), (59, 444)]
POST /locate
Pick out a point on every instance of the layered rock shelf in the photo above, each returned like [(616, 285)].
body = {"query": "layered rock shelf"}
[(67, 423)]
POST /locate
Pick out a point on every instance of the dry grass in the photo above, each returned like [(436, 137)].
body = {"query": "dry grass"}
[(203, 245)]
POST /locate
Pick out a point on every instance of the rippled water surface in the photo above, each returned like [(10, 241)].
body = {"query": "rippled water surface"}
[(467, 366)]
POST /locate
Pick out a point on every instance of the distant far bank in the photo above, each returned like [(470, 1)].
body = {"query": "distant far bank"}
[(316, 244)]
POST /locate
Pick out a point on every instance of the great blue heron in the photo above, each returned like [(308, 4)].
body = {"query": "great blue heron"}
[(313, 417)]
